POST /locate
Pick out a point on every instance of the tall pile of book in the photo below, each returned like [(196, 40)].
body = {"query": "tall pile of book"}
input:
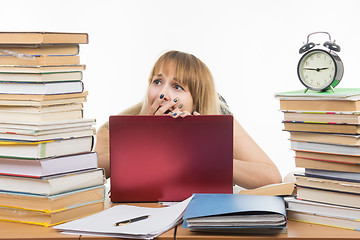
[(48, 171), (324, 132)]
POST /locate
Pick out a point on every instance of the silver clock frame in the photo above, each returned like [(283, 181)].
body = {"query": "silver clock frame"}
[(339, 70)]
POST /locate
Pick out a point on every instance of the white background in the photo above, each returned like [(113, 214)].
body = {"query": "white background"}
[(251, 47)]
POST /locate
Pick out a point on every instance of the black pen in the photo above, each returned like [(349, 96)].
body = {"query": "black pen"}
[(132, 220)]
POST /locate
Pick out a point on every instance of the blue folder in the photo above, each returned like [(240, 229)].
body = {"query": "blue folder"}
[(205, 205)]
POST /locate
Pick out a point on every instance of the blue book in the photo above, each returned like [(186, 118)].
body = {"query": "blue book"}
[(235, 213)]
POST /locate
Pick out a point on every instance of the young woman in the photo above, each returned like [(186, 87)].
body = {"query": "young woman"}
[(181, 85)]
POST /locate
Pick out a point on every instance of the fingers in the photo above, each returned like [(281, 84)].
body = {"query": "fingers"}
[(185, 113), (156, 105), (163, 106), (167, 106), (160, 106), (178, 113)]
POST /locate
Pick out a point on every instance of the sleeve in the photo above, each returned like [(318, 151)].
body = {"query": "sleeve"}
[(224, 108)]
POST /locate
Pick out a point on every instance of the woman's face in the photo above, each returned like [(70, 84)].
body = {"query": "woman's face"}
[(165, 94)]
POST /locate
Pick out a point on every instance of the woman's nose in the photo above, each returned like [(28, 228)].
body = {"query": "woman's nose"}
[(167, 93)]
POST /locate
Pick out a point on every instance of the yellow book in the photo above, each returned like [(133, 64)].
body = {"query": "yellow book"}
[(52, 203), (50, 219)]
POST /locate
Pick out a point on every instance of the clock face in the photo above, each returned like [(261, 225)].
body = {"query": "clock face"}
[(317, 69)]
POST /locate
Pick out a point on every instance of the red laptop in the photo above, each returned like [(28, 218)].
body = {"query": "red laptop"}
[(159, 158)]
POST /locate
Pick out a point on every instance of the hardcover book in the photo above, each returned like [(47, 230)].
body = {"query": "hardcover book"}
[(50, 219), (41, 88), (335, 175), (340, 198), (41, 77), (325, 148), (326, 165), (322, 117), (329, 184), (316, 208), (52, 203), (340, 139), (47, 166), (352, 94), (41, 38), (53, 184), (325, 220), (39, 50), (45, 149), (322, 128)]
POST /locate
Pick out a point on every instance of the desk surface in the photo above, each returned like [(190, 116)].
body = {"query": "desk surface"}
[(296, 230)]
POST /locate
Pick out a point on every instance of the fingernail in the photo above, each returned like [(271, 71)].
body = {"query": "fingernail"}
[(174, 114), (161, 96), (181, 105), (182, 113), (176, 99)]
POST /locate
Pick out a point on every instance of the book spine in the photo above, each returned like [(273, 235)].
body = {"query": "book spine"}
[(322, 224)]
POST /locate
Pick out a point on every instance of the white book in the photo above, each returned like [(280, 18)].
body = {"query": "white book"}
[(31, 103), (36, 127), (41, 100), (41, 132), (40, 117), (44, 88), (323, 117), (322, 209), (346, 199), (41, 69), (337, 175), (45, 109), (53, 184), (75, 132), (48, 166), (345, 222), (47, 130), (52, 203), (45, 149), (41, 77), (325, 148)]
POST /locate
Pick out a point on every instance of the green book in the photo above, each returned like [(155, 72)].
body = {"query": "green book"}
[(339, 94)]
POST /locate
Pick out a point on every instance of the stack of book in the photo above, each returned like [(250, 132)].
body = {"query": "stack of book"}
[(324, 133), (48, 171)]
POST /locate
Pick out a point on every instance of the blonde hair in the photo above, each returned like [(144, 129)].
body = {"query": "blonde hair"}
[(191, 72)]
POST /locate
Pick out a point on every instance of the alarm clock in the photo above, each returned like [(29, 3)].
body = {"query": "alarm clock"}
[(319, 67)]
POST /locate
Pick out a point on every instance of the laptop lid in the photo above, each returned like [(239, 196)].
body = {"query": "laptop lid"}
[(159, 158)]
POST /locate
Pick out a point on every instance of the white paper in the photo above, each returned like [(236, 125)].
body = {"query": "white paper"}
[(102, 223)]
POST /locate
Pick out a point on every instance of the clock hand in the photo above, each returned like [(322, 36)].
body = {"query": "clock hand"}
[(316, 69)]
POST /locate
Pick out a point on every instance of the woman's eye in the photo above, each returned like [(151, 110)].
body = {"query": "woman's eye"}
[(178, 87), (157, 81)]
